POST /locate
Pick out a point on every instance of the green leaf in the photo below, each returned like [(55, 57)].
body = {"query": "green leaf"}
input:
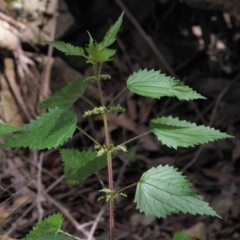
[(66, 96), (175, 133), (94, 52), (80, 165), (111, 34), (107, 53), (67, 48), (163, 191), (6, 129), (47, 131), (51, 224), (154, 84), (181, 236), (52, 236)]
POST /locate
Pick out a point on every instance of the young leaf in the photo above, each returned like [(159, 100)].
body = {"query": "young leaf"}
[(163, 191), (67, 48), (175, 133), (6, 129), (107, 53), (111, 34), (80, 165), (52, 236), (94, 52), (51, 224), (47, 131), (156, 85), (181, 236), (66, 96)]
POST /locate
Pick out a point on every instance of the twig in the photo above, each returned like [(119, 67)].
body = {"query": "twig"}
[(213, 116), (48, 66), (154, 48), (13, 22), (39, 187), (97, 219), (146, 37), (67, 214), (11, 78), (67, 234)]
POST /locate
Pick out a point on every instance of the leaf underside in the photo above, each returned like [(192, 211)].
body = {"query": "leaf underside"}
[(181, 236), (47, 131), (66, 96), (6, 129), (154, 84), (51, 224), (80, 165), (175, 133), (67, 48), (163, 191)]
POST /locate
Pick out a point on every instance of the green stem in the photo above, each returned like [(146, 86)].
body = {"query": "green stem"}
[(117, 96), (100, 180), (90, 137), (89, 102), (135, 138), (124, 188), (97, 70)]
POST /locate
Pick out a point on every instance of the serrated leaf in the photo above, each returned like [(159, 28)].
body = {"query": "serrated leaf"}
[(47, 131), (154, 84), (67, 48), (175, 133), (66, 96), (111, 34), (163, 191), (80, 165), (51, 224), (52, 236), (182, 236), (6, 129)]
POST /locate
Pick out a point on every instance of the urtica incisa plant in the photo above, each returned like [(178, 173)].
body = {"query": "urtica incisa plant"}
[(162, 190)]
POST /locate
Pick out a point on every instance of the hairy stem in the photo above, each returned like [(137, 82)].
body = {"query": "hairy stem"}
[(100, 180), (124, 188), (116, 97), (135, 138), (97, 70), (90, 137), (89, 102)]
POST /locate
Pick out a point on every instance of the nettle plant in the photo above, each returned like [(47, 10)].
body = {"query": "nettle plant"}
[(161, 191)]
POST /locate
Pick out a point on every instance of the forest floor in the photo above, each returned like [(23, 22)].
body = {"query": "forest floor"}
[(197, 45)]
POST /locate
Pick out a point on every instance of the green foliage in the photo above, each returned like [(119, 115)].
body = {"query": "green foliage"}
[(156, 85), (51, 224), (111, 34), (6, 129), (48, 131), (163, 191), (52, 236), (80, 165), (182, 236), (175, 133), (66, 96), (67, 48)]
